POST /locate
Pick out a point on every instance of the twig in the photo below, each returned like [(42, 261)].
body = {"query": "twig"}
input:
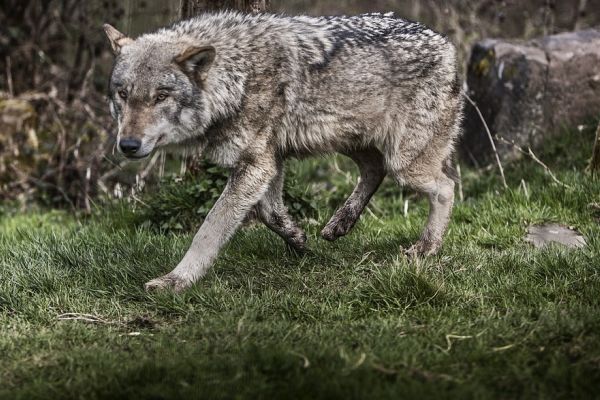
[(531, 154), (546, 168), (117, 168), (487, 129), (83, 91), (9, 80), (137, 199), (148, 168), (372, 214)]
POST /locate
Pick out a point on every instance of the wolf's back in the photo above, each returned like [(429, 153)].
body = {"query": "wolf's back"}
[(319, 38)]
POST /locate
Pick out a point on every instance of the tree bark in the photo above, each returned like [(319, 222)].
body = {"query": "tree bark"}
[(189, 8)]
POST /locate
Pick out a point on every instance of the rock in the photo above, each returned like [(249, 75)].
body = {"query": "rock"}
[(529, 91), (542, 235)]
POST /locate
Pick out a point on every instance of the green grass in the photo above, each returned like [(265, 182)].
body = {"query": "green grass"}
[(490, 317)]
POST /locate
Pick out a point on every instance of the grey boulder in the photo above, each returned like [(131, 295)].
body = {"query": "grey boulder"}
[(530, 91)]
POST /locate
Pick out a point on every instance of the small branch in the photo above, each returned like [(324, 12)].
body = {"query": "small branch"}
[(487, 129), (531, 154), (146, 171), (9, 80), (546, 168), (112, 172)]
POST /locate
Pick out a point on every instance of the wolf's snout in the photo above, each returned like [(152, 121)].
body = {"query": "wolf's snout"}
[(130, 146)]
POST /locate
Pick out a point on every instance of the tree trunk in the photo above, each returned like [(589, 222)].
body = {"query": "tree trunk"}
[(189, 8)]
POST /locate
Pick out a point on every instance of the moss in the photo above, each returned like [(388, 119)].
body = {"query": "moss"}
[(510, 72), (482, 68)]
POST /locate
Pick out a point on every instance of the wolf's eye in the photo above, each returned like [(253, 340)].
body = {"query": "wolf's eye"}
[(123, 94), (161, 97)]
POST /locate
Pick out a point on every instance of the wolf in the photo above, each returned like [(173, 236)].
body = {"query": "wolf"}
[(250, 91)]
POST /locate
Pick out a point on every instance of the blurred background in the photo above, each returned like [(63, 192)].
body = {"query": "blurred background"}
[(56, 136)]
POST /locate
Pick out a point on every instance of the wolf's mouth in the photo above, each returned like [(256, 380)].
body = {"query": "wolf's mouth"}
[(137, 157), (160, 140)]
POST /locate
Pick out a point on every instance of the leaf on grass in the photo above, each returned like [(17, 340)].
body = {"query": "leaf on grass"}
[(542, 235)]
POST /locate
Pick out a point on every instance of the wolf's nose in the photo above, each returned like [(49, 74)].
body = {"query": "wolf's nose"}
[(130, 146)]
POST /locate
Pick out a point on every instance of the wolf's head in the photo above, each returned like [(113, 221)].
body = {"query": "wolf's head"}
[(157, 91)]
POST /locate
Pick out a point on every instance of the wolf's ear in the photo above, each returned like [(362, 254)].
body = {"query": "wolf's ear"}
[(116, 38), (196, 61)]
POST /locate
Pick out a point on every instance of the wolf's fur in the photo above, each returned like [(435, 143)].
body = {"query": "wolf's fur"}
[(252, 90)]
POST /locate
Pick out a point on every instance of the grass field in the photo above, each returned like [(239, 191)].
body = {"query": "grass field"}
[(490, 317)]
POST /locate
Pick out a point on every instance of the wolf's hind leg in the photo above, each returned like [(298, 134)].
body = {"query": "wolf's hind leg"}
[(274, 214), (372, 172), (439, 188)]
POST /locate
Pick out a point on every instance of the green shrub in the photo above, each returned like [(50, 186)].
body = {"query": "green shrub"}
[(182, 203)]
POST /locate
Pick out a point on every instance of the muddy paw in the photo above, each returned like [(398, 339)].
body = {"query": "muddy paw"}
[(336, 228), (423, 249), (167, 282), (297, 243)]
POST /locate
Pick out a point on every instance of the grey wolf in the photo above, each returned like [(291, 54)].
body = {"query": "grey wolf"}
[(252, 90)]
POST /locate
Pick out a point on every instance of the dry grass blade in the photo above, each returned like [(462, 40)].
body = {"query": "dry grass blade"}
[(449, 341), (461, 195), (532, 155), (83, 317)]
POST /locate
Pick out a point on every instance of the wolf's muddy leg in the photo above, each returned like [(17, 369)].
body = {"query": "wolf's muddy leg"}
[(246, 185), (274, 214), (372, 172)]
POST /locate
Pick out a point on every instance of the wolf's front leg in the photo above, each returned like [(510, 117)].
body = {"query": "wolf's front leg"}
[(274, 214), (245, 187)]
